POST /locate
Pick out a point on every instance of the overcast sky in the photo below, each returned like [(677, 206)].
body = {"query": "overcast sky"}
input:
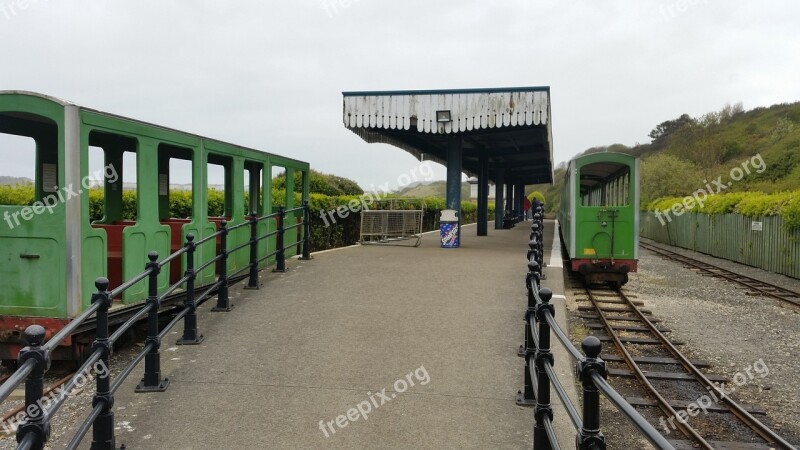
[(269, 74)]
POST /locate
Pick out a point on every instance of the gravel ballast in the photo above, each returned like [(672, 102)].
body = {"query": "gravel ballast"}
[(753, 340)]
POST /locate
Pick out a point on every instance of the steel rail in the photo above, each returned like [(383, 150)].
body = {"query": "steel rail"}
[(754, 424), (650, 433), (726, 274), (687, 430), (16, 379), (8, 415)]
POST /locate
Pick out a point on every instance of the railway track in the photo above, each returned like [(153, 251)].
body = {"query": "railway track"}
[(9, 415), (641, 345), (757, 286)]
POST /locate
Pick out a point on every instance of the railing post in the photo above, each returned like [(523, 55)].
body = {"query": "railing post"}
[(538, 232), (590, 437), (103, 426), (526, 396), (534, 272), (533, 246), (543, 356), (152, 382), (190, 336), (280, 257), (252, 281), (223, 302), (306, 232), (535, 231), (36, 423)]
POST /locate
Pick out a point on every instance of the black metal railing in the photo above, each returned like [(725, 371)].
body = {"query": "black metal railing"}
[(540, 376), (34, 360)]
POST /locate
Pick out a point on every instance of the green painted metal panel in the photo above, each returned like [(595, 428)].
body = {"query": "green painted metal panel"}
[(36, 284), (731, 236), (33, 246), (595, 226)]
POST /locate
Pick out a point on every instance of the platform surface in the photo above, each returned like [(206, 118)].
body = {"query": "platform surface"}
[(331, 334)]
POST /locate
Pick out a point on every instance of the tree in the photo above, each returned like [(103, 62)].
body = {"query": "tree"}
[(321, 183), (662, 132), (664, 175)]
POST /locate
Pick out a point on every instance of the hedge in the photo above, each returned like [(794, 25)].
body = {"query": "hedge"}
[(749, 204), (328, 230)]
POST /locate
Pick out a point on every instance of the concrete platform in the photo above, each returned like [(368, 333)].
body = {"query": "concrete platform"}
[(353, 328)]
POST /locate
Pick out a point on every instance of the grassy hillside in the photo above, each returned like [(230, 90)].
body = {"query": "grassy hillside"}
[(432, 189), (690, 153)]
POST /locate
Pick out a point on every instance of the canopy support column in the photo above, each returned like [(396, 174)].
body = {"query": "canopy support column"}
[(518, 201), (498, 200), (509, 196), (483, 193), (454, 155)]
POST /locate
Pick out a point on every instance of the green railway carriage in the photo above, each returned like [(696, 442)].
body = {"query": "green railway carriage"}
[(51, 252), (599, 216)]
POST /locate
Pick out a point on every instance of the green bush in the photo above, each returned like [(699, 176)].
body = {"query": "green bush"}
[(328, 231), (21, 194), (749, 204)]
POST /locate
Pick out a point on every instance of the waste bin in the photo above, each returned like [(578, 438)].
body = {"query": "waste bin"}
[(448, 228)]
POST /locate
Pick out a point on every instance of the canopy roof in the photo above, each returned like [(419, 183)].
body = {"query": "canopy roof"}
[(511, 124)]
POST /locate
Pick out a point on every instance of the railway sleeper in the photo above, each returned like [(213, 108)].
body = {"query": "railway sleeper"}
[(637, 340), (652, 360), (616, 317), (613, 309), (682, 404), (600, 326), (615, 301), (671, 376), (722, 445)]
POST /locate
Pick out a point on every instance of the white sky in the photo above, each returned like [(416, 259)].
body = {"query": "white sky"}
[(269, 74)]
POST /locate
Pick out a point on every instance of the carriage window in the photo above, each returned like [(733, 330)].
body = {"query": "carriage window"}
[(18, 175), (97, 188), (29, 148), (278, 187), (174, 182), (111, 179), (605, 184), (299, 183), (219, 186), (180, 188)]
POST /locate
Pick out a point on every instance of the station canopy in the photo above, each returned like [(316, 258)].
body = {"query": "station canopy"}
[(511, 124)]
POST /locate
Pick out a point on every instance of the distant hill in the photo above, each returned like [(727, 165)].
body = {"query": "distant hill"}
[(687, 152), (6, 180), (431, 189)]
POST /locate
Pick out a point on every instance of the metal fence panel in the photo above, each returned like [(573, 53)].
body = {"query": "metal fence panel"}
[(390, 226), (730, 236)]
